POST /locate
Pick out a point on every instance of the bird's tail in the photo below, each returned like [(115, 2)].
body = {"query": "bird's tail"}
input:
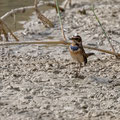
[(89, 54)]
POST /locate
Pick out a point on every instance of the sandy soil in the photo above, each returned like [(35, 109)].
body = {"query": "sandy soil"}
[(39, 82)]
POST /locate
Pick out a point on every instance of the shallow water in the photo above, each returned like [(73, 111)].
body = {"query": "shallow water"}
[(7, 5)]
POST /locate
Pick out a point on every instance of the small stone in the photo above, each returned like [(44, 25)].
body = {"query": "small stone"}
[(16, 75), (28, 97), (84, 106), (56, 71)]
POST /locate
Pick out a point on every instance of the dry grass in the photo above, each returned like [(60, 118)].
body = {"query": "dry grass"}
[(103, 29), (9, 30), (44, 20), (57, 6)]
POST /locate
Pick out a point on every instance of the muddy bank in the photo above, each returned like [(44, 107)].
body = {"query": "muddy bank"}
[(39, 82)]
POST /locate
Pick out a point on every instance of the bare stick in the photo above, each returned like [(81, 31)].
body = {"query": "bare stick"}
[(102, 50), (103, 29), (34, 42), (56, 43)]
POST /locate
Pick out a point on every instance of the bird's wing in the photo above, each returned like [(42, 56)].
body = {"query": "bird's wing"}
[(84, 54)]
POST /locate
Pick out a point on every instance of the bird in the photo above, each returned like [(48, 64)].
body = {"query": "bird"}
[(77, 51)]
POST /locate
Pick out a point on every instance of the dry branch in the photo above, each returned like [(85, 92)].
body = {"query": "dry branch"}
[(55, 43)]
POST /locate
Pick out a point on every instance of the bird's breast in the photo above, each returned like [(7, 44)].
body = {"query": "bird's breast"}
[(74, 48), (76, 53)]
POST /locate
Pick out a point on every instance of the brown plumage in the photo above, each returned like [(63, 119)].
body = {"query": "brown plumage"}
[(77, 51)]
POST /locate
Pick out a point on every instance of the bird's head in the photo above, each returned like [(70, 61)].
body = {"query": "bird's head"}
[(76, 39)]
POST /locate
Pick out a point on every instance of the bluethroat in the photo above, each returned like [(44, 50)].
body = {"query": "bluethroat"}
[(77, 51)]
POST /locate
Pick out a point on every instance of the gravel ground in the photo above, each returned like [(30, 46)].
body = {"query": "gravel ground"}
[(39, 82)]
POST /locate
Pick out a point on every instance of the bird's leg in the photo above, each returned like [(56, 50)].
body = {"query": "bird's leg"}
[(79, 68)]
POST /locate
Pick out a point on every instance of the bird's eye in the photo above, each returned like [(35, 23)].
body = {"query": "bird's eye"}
[(78, 39)]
